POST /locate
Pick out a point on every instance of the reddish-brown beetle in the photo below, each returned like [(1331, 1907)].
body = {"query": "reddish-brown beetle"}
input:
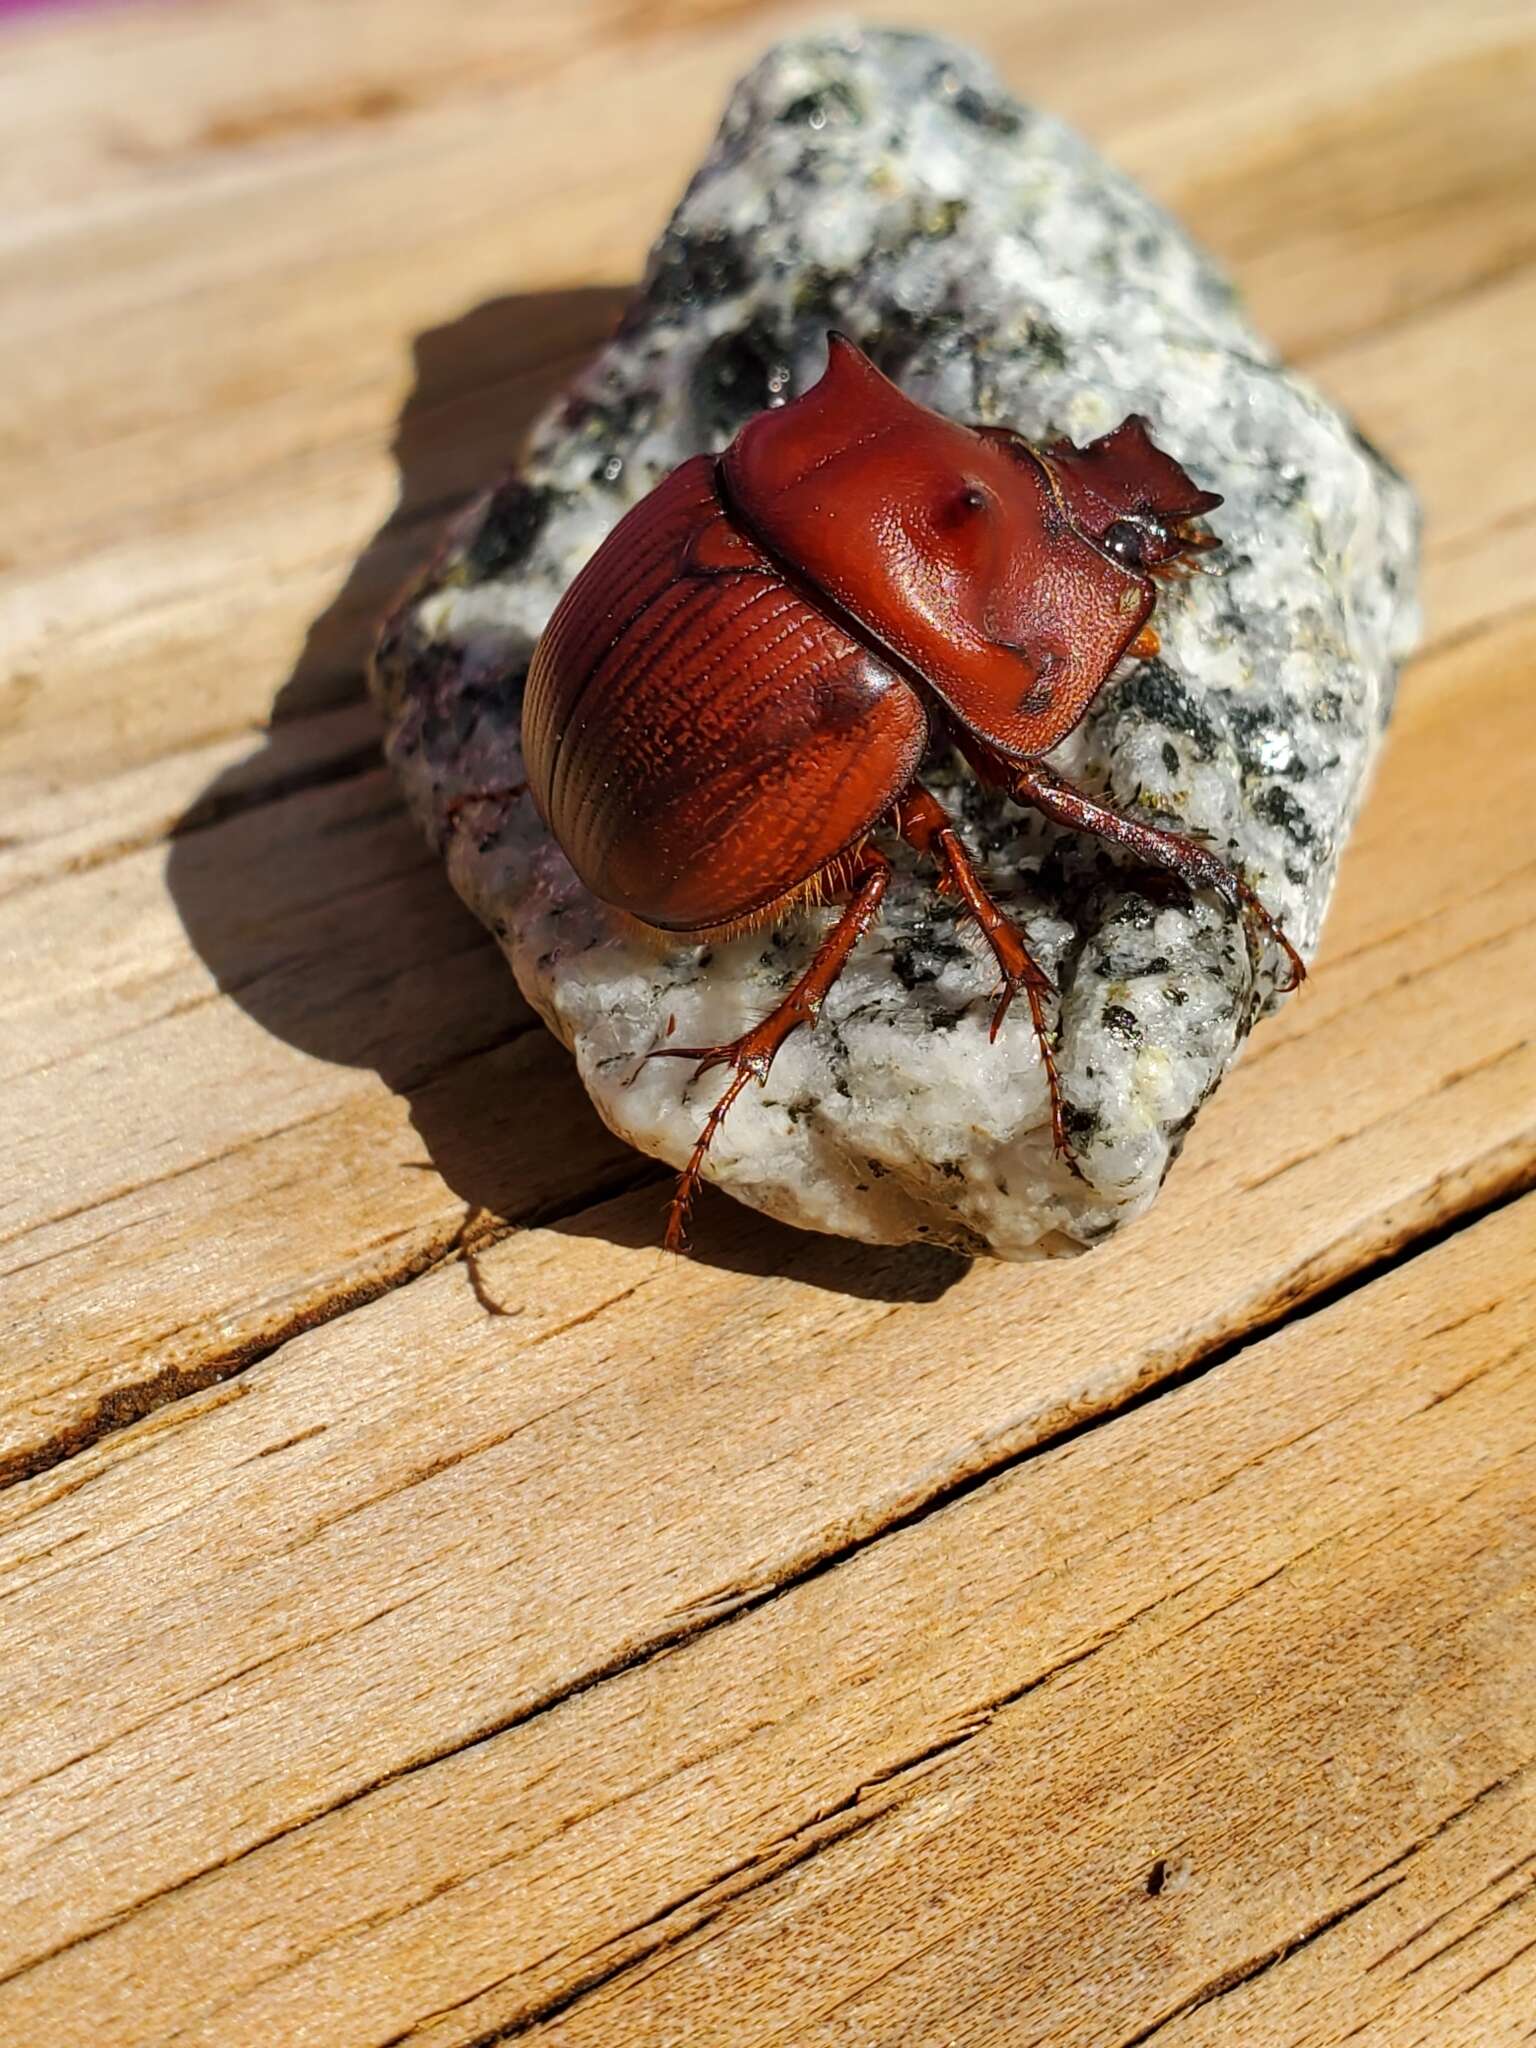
[(737, 690)]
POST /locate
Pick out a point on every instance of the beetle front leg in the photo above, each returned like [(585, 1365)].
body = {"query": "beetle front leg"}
[(926, 826), (1029, 782), (751, 1055)]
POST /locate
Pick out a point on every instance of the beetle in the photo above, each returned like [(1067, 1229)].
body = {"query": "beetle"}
[(734, 695)]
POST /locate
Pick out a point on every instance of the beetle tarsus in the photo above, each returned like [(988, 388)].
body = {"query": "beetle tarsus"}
[(1034, 991), (676, 1238), (752, 1055)]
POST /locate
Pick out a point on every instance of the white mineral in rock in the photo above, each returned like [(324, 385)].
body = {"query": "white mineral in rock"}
[(885, 184)]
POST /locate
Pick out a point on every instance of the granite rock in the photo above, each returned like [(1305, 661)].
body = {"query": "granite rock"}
[(885, 184)]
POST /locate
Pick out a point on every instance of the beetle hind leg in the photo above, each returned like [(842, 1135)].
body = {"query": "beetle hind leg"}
[(926, 826), (750, 1056)]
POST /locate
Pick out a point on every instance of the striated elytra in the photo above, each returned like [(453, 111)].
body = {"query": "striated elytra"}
[(736, 692)]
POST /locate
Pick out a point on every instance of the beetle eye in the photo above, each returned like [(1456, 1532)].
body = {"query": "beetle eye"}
[(973, 498), (1126, 542)]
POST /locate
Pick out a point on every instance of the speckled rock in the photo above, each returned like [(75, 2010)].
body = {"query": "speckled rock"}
[(886, 184)]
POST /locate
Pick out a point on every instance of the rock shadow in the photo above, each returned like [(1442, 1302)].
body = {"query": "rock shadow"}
[(306, 888)]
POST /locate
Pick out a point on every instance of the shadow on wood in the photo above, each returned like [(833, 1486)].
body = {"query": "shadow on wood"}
[(321, 912)]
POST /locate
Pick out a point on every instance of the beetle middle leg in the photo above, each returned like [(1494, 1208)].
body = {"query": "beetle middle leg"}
[(751, 1055), (926, 826)]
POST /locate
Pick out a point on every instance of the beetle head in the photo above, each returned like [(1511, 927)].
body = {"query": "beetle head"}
[(1131, 498)]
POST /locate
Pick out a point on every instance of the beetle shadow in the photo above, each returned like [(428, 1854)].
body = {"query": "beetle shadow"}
[(348, 968)]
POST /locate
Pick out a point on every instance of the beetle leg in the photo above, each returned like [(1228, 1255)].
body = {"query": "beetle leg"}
[(751, 1055), (923, 822), (1032, 783)]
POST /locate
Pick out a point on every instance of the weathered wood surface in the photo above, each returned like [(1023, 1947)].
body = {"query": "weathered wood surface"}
[(428, 1611)]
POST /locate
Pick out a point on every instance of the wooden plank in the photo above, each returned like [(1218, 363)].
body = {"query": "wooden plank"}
[(1445, 1959), (263, 1575), (1337, 1726), (1226, 1699), (377, 1690), (154, 1117), (273, 77), (1373, 210), (198, 438), (1472, 561)]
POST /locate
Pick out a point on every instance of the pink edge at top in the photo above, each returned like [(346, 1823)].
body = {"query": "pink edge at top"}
[(9, 8)]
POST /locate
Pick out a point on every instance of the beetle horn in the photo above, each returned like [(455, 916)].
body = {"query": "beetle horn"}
[(1124, 474), (850, 376), (845, 353), (790, 451)]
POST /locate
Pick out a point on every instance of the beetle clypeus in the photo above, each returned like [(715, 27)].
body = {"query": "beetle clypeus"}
[(736, 692)]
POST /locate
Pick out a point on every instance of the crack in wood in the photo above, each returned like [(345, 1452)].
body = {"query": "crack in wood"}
[(1470, 1379), (698, 1911), (419, 1474), (1228, 1981), (601, 1308), (136, 1400), (1516, 1898), (171, 1173), (1456, 1905), (302, 1436), (1494, 1970), (667, 1936), (872, 1800), (206, 812), (174, 1707), (1457, 1813), (209, 812), (124, 1406), (659, 1936)]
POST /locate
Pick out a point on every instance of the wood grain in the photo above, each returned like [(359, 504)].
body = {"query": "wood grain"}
[(833, 1820), (427, 1610)]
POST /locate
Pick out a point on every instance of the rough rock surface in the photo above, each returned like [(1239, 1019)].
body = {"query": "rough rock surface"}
[(885, 184)]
